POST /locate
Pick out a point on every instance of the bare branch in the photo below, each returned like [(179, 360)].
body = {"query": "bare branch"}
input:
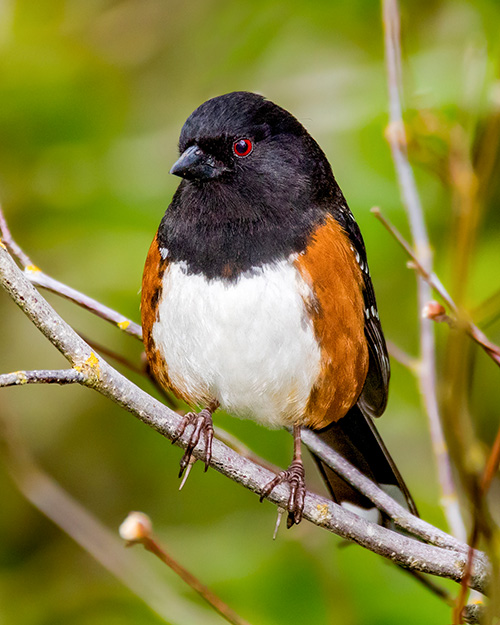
[(400, 515), (37, 277), (137, 529), (102, 377), (491, 467), (401, 356), (42, 376), (430, 278), (243, 450), (41, 279), (109, 353), (10, 244), (459, 320), (49, 498), (480, 338), (396, 136)]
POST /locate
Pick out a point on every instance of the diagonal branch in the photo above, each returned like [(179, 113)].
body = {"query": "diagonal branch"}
[(102, 377), (137, 529), (39, 278), (51, 500), (434, 282), (430, 277), (10, 244), (400, 515)]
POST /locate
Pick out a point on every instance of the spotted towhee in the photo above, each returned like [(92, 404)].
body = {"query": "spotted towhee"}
[(257, 297)]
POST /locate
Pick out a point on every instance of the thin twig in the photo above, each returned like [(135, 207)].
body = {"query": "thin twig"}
[(241, 449), (429, 277), (105, 351), (459, 320), (102, 377), (42, 376), (400, 515), (492, 464), (41, 279), (480, 338), (10, 244), (461, 599), (136, 529), (49, 498), (473, 332), (437, 590), (396, 136), (401, 356)]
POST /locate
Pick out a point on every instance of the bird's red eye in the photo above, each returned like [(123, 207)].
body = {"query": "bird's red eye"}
[(242, 147)]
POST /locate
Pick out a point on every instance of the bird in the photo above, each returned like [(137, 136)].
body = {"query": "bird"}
[(257, 296)]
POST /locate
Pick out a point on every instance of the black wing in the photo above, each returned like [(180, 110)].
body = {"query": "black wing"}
[(373, 398)]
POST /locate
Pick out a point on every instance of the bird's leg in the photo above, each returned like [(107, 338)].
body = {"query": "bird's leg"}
[(201, 422), (294, 476)]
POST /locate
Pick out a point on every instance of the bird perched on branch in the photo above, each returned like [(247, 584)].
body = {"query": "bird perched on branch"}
[(257, 297)]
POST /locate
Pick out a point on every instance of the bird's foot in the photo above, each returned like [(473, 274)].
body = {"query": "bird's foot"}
[(201, 422), (294, 477)]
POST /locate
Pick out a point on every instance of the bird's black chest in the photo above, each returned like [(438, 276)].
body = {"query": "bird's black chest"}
[(219, 239)]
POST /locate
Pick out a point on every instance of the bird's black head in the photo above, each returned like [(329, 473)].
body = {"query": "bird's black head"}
[(255, 183), (241, 138), (224, 130)]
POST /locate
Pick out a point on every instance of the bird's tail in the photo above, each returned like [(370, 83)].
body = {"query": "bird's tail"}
[(357, 440)]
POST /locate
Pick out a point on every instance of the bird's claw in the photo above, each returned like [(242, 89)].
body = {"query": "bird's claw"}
[(294, 476), (202, 422)]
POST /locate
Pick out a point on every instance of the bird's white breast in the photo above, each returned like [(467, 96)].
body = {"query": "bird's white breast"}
[(248, 344)]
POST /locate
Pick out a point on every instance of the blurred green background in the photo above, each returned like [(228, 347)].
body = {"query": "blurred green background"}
[(93, 94)]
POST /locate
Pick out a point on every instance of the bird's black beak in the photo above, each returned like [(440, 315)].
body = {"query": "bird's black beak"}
[(195, 164)]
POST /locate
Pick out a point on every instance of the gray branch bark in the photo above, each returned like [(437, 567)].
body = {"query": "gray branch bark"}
[(43, 376), (449, 562), (36, 276)]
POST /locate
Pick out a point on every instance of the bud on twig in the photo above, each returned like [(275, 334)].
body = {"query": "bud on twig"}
[(136, 527), (435, 311)]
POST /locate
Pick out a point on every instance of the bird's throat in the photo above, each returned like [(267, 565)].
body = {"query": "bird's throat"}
[(221, 236)]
